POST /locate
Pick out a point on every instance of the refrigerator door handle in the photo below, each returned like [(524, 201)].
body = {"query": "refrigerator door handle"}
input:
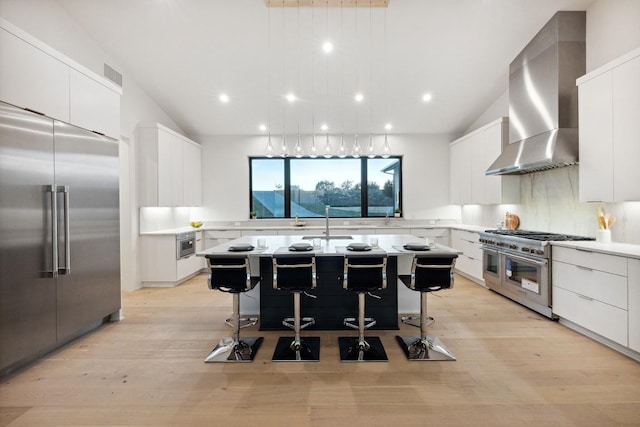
[(53, 190), (66, 269)]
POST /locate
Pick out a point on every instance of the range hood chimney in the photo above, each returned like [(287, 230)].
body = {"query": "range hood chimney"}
[(543, 99)]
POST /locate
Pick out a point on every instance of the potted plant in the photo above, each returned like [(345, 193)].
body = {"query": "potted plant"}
[(396, 213), (253, 214)]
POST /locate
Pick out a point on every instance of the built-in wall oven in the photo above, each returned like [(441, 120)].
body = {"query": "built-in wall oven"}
[(517, 264), (185, 244)]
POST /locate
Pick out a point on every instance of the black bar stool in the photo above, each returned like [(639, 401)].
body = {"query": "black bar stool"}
[(363, 274), (296, 273), (430, 272), (232, 273)]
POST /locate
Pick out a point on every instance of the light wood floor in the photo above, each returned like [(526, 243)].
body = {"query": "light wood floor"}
[(514, 368)]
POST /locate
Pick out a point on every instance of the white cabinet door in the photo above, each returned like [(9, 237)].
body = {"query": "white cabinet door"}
[(93, 106), (609, 106), (30, 78), (169, 168), (470, 157), (460, 173), (626, 131), (191, 159), (177, 172), (634, 304), (164, 168), (596, 139)]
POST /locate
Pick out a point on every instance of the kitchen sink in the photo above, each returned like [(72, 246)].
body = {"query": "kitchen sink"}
[(325, 238)]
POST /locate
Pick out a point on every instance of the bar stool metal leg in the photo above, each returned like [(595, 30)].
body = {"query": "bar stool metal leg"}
[(424, 347), (299, 349), (234, 348), (360, 349)]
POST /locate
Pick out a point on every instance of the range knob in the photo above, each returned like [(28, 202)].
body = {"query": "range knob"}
[(512, 246), (539, 252), (525, 249)]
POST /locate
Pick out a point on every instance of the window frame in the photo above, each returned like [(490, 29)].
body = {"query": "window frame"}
[(364, 188)]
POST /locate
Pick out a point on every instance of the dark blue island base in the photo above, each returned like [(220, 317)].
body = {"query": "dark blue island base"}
[(333, 303)]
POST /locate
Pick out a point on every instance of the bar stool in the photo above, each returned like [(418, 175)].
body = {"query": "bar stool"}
[(430, 272), (363, 274), (296, 273), (232, 273)]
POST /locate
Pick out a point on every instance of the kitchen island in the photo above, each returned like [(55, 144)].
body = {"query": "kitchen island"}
[(333, 303)]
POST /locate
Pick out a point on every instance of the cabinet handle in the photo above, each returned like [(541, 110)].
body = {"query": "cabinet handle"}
[(583, 250), (585, 297), (581, 267)]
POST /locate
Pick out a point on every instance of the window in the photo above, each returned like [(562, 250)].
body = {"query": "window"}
[(284, 188)]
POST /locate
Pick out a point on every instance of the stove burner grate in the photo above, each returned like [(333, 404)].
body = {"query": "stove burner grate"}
[(538, 235)]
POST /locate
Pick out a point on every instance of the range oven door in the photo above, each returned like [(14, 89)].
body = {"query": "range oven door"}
[(491, 267), (528, 277)]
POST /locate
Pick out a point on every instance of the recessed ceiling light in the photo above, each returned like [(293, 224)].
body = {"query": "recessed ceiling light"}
[(324, 127), (263, 128), (327, 47), (224, 98), (388, 126), (359, 97), (427, 97), (290, 97)]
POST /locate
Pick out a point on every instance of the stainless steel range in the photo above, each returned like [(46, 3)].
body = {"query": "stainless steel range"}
[(517, 264)]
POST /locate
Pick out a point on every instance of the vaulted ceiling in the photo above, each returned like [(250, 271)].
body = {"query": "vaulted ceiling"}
[(186, 53)]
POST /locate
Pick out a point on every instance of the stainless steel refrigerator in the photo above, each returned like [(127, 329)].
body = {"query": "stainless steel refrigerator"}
[(59, 234)]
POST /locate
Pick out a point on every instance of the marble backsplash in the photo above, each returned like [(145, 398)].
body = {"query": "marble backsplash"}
[(549, 201)]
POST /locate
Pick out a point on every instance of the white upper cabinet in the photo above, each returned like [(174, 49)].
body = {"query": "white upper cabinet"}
[(29, 78), (470, 157), (169, 167), (36, 77), (609, 106), (93, 106)]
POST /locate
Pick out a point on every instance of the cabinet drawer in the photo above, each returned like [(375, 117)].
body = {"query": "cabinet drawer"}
[(601, 286), (601, 318), (469, 266), (594, 260), (258, 232), (222, 234)]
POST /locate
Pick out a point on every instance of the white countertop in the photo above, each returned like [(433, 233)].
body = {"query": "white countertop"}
[(620, 249), (387, 243), (303, 229)]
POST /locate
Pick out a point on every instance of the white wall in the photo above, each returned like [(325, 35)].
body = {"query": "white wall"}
[(225, 170), (613, 29), (47, 21), (550, 200)]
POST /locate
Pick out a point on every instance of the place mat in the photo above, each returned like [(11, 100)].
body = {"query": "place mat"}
[(374, 251), (285, 250), (255, 250)]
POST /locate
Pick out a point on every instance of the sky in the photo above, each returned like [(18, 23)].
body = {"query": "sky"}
[(305, 173)]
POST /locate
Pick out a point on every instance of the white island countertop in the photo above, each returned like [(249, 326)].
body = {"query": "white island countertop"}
[(391, 244)]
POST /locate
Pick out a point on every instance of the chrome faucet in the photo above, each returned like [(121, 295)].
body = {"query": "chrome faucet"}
[(326, 214), (386, 218)]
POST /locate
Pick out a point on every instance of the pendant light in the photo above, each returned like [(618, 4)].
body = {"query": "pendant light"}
[(313, 151), (356, 145), (268, 152), (370, 150), (386, 149), (284, 152), (297, 150), (327, 145), (342, 151)]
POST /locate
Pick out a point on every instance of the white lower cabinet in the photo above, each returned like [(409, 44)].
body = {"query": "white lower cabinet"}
[(634, 304), (159, 266), (590, 290), (217, 237), (437, 235), (469, 262)]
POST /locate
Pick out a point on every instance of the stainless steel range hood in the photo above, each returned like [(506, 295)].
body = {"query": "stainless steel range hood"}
[(543, 99)]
